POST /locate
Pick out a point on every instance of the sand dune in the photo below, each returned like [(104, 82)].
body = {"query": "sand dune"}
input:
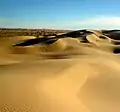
[(67, 76)]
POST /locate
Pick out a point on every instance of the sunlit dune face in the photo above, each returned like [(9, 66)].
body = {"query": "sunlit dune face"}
[(102, 92), (82, 84)]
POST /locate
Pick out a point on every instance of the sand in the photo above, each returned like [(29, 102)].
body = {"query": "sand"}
[(66, 76)]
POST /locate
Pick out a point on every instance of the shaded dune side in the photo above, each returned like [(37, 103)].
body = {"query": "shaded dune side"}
[(98, 38), (95, 39), (63, 48)]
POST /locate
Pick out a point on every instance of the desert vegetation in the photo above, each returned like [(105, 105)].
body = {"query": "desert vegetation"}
[(8, 32)]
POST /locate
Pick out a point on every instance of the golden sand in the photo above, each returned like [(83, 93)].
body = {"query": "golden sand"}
[(67, 76)]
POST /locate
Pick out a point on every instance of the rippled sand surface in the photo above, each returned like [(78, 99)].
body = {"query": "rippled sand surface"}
[(67, 76)]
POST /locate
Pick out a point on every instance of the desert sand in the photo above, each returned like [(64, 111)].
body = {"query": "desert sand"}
[(67, 76)]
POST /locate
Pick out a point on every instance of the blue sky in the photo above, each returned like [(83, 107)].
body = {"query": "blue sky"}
[(60, 14)]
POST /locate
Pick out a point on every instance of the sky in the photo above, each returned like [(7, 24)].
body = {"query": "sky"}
[(60, 14)]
